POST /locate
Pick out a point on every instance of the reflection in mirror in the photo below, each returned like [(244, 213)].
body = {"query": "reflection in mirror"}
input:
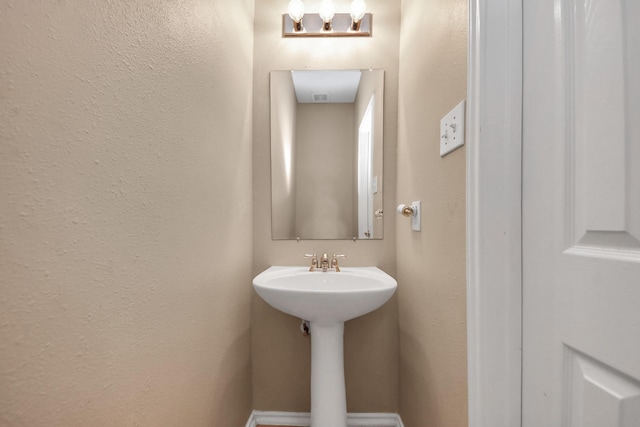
[(326, 154)]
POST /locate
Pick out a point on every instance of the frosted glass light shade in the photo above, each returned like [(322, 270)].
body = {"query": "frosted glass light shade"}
[(327, 10), (296, 10), (357, 10)]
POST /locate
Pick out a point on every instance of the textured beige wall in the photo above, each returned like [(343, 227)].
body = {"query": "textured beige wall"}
[(125, 212), (281, 355), (431, 264)]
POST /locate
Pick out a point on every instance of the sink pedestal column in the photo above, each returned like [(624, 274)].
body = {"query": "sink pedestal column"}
[(328, 395)]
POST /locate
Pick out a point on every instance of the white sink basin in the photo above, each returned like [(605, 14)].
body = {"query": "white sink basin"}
[(326, 300), (325, 297)]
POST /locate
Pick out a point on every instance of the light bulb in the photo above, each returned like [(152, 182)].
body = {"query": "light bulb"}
[(358, 9), (327, 10), (296, 10)]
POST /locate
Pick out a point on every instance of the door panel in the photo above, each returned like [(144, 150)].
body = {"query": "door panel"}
[(602, 70), (581, 213), (599, 396)]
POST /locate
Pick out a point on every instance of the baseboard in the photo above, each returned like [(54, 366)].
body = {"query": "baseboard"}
[(304, 419)]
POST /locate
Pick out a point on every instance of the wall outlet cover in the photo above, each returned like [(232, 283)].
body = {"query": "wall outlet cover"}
[(452, 130)]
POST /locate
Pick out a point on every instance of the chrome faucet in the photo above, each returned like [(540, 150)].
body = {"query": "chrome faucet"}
[(324, 263), (334, 261), (314, 261)]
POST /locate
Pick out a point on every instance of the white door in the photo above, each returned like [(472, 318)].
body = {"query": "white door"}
[(581, 213)]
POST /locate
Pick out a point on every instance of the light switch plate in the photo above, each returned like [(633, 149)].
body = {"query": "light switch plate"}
[(452, 130), (415, 218)]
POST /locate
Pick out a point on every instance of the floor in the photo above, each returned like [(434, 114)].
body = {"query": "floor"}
[(262, 425)]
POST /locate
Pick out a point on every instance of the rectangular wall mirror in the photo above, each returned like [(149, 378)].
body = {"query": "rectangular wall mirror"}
[(326, 154)]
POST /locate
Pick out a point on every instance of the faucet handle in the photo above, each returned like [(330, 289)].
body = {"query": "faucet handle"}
[(334, 261), (314, 261)]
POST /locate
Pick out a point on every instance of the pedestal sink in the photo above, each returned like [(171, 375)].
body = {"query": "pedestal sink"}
[(326, 300)]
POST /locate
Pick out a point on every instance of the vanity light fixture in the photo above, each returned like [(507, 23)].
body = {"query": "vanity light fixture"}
[(296, 12), (327, 12), (326, 23), (357, 12)]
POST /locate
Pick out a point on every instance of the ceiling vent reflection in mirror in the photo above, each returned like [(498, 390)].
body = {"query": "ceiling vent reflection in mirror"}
[(320, 97)]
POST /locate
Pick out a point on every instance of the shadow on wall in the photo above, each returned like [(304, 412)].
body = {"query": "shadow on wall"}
[(418, 385), (372, 337), (233, 385), (281, 369)]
